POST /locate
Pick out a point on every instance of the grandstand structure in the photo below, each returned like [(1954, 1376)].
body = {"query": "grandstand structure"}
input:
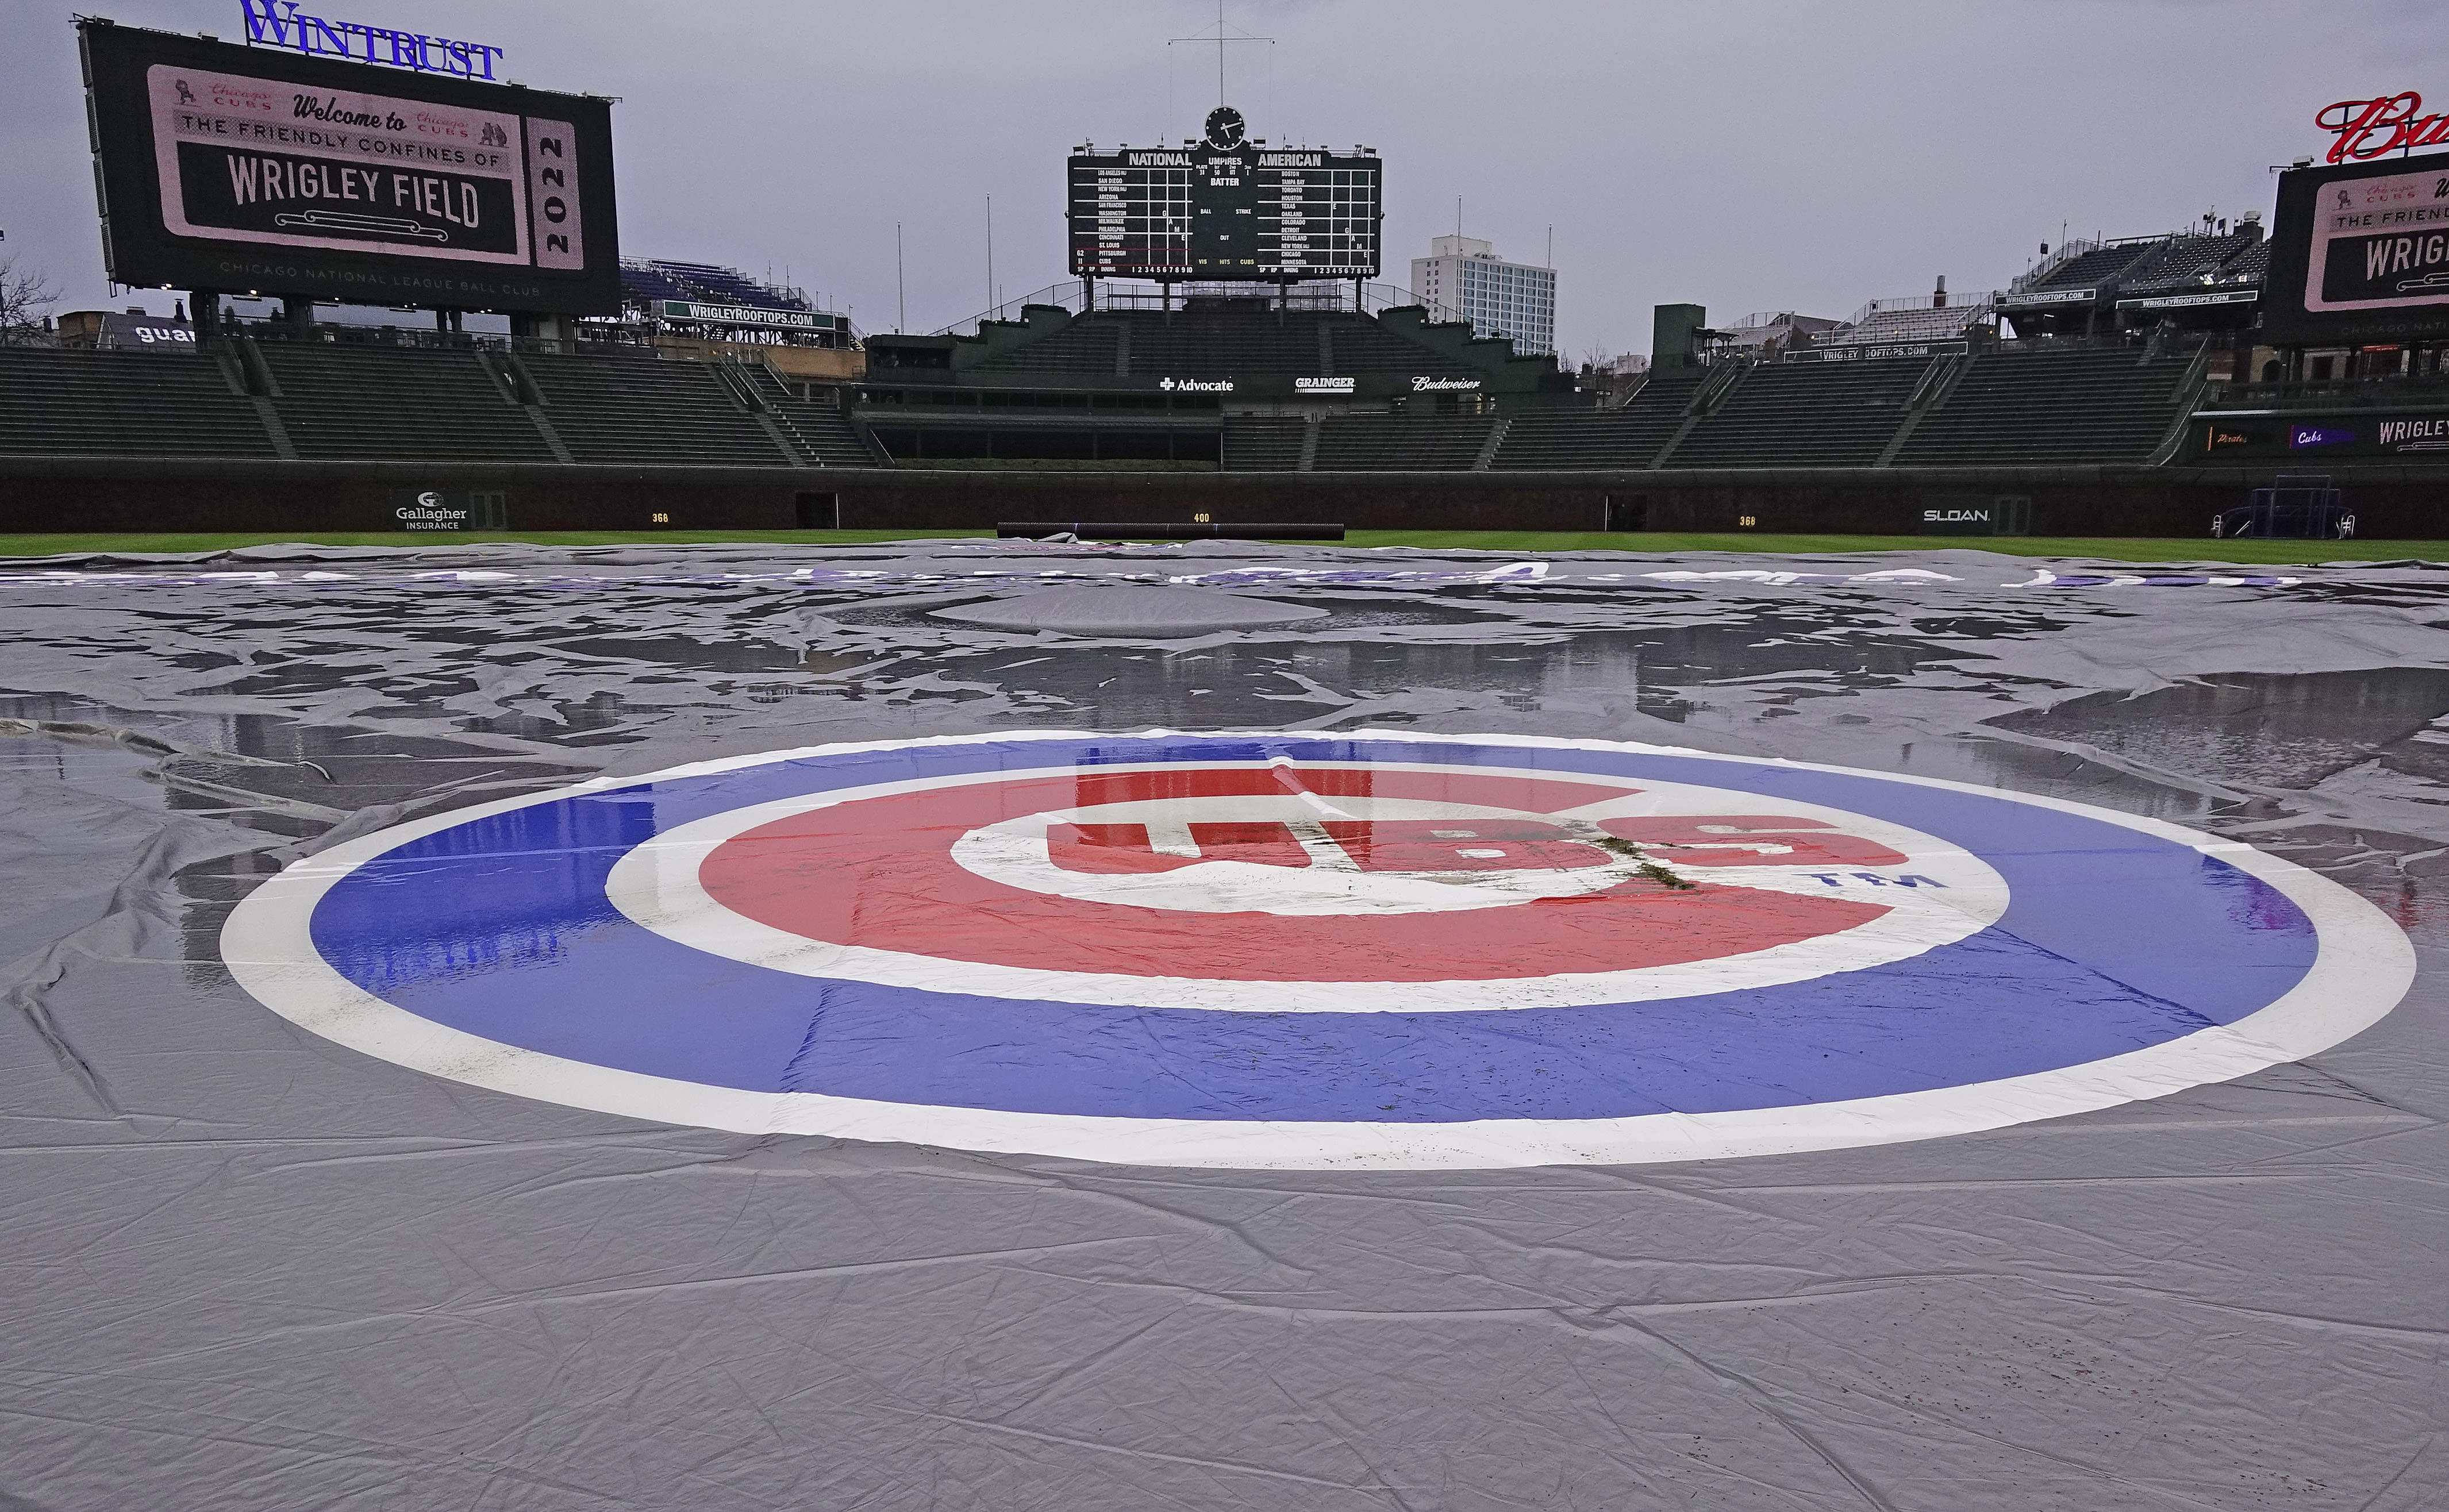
[(310, 401), (1785, 422)]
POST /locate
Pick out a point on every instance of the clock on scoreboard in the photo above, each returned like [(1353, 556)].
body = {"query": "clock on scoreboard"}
[(1226, 207)]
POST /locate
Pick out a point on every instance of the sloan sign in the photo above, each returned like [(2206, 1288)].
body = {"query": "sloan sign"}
[(2369, 128)]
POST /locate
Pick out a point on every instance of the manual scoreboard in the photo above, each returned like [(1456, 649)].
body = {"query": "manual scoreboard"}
[(1225, 207)]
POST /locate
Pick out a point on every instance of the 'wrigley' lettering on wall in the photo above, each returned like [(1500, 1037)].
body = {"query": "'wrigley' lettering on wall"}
[(276, 24)]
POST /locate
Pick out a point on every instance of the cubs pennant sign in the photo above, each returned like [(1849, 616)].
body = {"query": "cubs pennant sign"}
[(1290, 949)]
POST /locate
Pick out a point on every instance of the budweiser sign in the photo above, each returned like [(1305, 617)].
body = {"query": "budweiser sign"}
[(2368, 129)]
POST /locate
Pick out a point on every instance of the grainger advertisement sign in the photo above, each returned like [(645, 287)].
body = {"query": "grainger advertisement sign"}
[(223, 167), (2359, 252)]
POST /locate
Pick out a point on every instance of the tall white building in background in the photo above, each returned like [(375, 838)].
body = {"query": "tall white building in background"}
[(1500, 299)]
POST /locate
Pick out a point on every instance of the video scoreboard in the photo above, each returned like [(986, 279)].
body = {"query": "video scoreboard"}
[(2360, 254), (228, 167), (1227, 208)]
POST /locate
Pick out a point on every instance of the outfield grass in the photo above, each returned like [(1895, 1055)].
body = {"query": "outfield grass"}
[(2106, 548)]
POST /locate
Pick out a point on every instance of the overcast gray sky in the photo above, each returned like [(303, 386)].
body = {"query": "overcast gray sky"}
[(1744, 154)]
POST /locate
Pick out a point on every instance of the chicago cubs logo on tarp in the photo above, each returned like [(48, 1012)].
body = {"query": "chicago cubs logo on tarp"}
[(1291, 950)]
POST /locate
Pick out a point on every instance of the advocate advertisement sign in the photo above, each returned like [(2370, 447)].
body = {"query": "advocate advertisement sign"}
[(225, 168), (2359, 252)]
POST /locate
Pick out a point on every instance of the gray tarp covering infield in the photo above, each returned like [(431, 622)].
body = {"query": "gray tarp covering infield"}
[(246, 1268)]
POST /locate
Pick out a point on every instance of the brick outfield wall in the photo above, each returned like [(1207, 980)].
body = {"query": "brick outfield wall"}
[(46, 495)]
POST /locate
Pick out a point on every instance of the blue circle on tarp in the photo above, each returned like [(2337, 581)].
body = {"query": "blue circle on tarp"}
[(2114, 940)]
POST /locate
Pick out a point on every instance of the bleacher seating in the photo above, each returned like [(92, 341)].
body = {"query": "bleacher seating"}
[(2250, 265), (1626, 437), (1804, 414), (1902, 325), (2070, 405), (1362, 345), (1383, 443), (1088, 345), (2088, 269), (660, 279), (2021, 403), (1263, 443), (1220, 339), (645, 283), (636, 410), (149, 404), (2188, 262), (343, 402)]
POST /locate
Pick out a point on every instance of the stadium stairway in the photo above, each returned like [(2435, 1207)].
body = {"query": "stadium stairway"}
[(142, 404), (825, 432)]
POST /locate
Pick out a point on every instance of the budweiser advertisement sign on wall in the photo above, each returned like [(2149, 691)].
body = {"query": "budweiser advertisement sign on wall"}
[(2368, 129)]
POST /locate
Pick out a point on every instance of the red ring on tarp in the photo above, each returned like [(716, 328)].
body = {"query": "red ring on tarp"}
[(878, 873)]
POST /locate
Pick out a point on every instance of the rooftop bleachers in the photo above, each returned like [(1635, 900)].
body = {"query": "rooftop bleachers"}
[(342, 402), (1378, 443), (1626, 437), (2187, 261), (661, 278), (151, 404), (1902, 325), (2253, 263), (2086, 269), (644, 283), (729, 287), (1804, 414), (633, 410), (2068, 405)]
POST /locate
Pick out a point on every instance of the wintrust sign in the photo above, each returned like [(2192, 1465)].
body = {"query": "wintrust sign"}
[(2369, 128)]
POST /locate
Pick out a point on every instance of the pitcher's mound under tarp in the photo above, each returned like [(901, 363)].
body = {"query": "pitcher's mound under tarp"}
[(755, 1027)]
